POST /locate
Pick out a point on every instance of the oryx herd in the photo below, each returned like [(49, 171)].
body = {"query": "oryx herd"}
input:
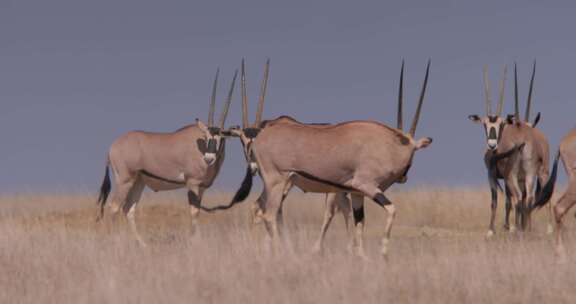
[(347, 161)]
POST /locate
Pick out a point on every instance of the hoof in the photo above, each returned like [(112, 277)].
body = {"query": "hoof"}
[(490, 234)]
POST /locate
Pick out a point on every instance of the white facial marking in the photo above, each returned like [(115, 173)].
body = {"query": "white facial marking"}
[(492, 143), (209, 158)]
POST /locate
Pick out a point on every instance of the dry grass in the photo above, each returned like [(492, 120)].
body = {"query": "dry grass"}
[(51, 251)]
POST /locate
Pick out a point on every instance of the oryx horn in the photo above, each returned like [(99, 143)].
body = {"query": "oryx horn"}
[(244, 97), (262, 95), (501, 96), (487, 93), (516, 109), (400, 98), (228, 102), (213, 100), (529, 101), (419, 108)]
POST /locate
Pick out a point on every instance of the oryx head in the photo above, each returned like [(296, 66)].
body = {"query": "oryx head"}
[(249, 132), (493, 123), (214, 135)]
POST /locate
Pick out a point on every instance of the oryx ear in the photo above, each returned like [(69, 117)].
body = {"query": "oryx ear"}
[(475, 118), (423, 143), (235, 132), (201, 125), (510, 119)]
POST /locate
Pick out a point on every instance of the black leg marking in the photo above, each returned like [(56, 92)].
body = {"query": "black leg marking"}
[(358, 215), (381, 200), (193, 199)]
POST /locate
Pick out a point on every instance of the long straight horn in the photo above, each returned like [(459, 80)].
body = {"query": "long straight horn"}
[(400, 98), (516, 108), (501, 95), (487, 93), (529, 101), (213, 100), (228, 101), (262, 94), (419, 108), (244, 97)]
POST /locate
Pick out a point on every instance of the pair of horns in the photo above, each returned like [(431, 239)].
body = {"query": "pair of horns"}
[(488, 93), (260, 109), (529, 99), (420, 101), (226, 107)]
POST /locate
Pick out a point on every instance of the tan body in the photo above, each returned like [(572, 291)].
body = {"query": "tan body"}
[(360, 157), (190, 158), (363, 157)]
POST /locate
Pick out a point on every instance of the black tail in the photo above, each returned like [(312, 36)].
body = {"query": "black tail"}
[(240, 195), (544, 196), (104, 192)]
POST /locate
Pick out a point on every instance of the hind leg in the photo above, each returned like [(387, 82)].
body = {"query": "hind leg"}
[(515, 198), (330, 206), (566, 201), (357, 240), (129, 209), (507, 206)]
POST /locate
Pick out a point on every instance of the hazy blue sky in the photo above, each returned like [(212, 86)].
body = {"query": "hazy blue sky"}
[(76, 74)]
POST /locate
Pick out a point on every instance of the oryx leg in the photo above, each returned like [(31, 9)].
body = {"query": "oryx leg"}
[(256, 209), (357, 240), (275, 189), (378, 196), (493, 207), (333, 202), (528, 201), (515, 197), (195, 194), (507, 206), (129, 208)]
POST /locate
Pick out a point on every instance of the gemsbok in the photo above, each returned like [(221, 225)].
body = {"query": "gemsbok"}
[(361, 157), (190, 157), (567, 152), (516, 152)]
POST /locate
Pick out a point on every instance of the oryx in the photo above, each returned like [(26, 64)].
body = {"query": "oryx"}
[(362, 157), (505, 137), (567, 152), (190, 158)]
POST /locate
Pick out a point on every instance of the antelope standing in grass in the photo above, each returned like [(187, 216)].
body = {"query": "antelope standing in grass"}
[(516, 152), (567, 152), (362, 157), (190, 158)]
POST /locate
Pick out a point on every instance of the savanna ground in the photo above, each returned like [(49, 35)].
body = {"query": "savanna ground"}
[(52, 251)]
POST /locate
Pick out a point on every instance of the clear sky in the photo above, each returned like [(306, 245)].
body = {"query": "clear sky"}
[(75, 74)]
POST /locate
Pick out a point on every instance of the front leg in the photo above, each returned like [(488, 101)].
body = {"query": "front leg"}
[(195, 193)]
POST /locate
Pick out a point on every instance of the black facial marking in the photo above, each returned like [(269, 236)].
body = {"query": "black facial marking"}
[(492, 119), (211, 146), (381, 200), (358, 215), (214, 131), (146, 173), (492, 133), (251, 132)]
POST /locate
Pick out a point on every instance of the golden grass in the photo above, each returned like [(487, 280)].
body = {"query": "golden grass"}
[(51, 251)]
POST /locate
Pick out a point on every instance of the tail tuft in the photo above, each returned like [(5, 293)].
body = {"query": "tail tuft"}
[(544, 196), (104, 193)]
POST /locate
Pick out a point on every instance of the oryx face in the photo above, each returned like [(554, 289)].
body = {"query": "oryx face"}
[(493, 127), (213, 140), (247, 137)]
